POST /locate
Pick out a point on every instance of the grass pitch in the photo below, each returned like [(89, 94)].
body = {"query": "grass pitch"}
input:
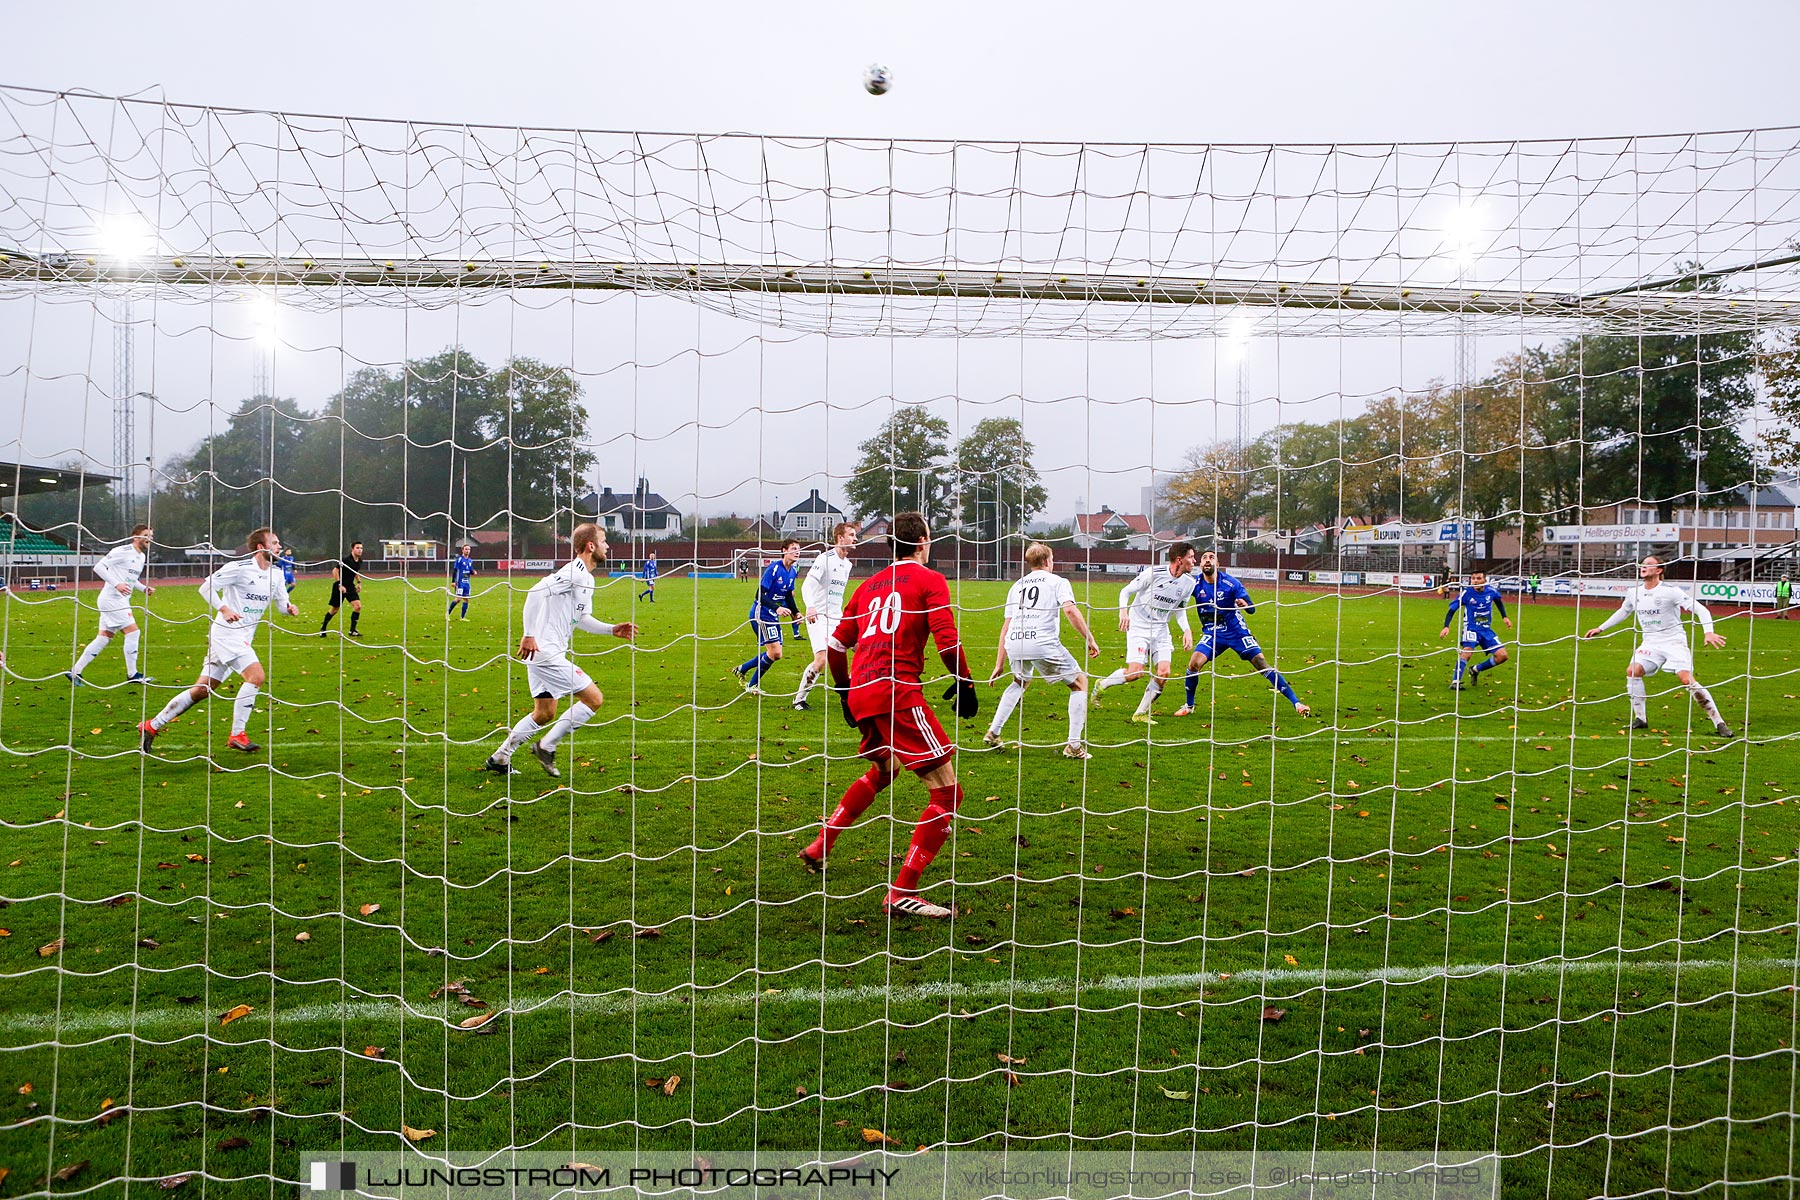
[(1240, 928)]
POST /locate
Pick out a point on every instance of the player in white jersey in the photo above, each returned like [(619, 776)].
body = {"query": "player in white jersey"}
[(1030, 641), (121, 572), (555, 608), (1145, 606), (239, 593), (1663, 644), (822, 592)]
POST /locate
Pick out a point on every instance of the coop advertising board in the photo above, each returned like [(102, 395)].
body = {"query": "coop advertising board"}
[(1572, 534), (1707, 591)]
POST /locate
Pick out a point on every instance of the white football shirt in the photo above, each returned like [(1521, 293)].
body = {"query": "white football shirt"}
[(122, 564), (557, 604), (822, 590), (1658, 611), (248, 589), (1034, 606), (1155, 596)]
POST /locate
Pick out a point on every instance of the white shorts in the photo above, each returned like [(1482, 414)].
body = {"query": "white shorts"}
[(114, 619), (1149, 645), (227, 654), (1654, 657), (1048, 659), (556, 677), (818, 633)]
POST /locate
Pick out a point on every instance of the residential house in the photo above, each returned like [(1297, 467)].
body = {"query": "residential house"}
[(639, 515), (811, 519), (1128, 530)]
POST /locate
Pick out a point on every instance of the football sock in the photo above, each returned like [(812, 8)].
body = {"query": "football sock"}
[(355, 616), (1193, 686), (243, 706), (1704, 699), (131, 649), (1634, 688), (1113, 680), (521, 733), (748, 663), (1486, 664), (808, 677), (1279, 682), (1462, 664), (1077, 716), (1009, 700), (89, 654), (578, 715), (928, 838), (1152, 690), (763, 663), (857, 797), (465, 611), (326, 621), (179, 703)]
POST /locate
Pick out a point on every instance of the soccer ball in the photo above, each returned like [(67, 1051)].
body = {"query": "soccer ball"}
[(877, 79)]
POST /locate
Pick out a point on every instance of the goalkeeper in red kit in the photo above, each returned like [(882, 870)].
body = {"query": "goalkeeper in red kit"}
[(887, 622)]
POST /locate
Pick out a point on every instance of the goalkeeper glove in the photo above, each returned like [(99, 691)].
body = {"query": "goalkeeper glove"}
[(968, 700)]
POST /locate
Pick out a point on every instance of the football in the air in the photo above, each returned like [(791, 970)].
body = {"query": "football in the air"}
[(877, 79)]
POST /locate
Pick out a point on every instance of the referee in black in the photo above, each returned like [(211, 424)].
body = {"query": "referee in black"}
[(346, 584)]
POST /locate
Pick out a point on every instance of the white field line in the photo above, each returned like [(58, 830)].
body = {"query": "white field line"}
[(60, 1025)]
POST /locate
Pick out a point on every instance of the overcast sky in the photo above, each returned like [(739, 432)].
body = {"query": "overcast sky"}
[(1188, 73)]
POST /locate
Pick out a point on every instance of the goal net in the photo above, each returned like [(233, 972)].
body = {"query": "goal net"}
[(1489, 904)]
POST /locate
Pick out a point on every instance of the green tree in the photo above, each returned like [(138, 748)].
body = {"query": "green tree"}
[(1213, 488), (998, 489), (1780, 366), (903, 467), (1660, 418)]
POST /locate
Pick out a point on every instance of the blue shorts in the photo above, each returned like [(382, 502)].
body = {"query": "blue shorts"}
[(1480, 637), (462, 589), (767, 629), (1216, 639)]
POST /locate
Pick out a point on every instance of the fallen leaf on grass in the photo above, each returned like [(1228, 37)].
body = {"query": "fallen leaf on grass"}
[(369, 909), (603, 936), (876, 1138), (199, 858), (648, 933), (25, 1089), (149, 943), (653, 1082), (541, 971), (1010, 1061), (1290, 960), (71, 1171), (417, 1135), (1012, 1080), (169, 1183), (670, 1084), (1273, 1015), (468, 1001), (303, 936), (233, 1143), (46, 950), (374, 1051), (1174, 1095), (232, 1014), (477, 1021)]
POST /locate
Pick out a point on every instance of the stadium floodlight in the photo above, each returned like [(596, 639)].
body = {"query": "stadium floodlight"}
[(265, 319), (1239, 330), (1464, 235), (125, 238)]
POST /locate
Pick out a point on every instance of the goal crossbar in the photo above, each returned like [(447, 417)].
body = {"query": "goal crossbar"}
[(1702, 308)]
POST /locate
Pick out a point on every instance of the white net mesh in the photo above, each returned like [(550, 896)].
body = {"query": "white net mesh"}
[(1497, 922)]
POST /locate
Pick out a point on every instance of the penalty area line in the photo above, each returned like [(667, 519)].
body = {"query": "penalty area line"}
[(124, 1020)]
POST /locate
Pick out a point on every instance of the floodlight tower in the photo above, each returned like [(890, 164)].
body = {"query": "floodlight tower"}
[(1462, 240), (1238, 331), (124, 239)]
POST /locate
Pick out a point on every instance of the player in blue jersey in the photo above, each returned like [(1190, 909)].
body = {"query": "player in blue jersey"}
[(649, 575), (774, 604), (462, 570), (1478, 603), (1223, 601), (285, 560)]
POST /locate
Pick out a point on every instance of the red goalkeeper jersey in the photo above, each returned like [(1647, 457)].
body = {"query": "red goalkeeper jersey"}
[(886, 623)]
